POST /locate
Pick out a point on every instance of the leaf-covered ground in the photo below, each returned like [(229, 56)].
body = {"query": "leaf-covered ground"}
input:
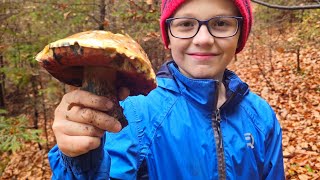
[(295, 97)]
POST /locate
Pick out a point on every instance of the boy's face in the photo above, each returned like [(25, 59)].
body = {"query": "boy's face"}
[(204, 56)]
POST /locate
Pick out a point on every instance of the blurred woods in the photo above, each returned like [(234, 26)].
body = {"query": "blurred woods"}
[(27, 26), (28, 95)]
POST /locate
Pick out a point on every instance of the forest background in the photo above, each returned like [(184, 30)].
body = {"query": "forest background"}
[(281, 63)]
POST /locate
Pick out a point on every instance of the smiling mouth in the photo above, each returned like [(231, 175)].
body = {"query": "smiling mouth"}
[(202, 56)]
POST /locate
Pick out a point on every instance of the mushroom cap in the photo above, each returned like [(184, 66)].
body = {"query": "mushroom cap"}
[(65, 59)]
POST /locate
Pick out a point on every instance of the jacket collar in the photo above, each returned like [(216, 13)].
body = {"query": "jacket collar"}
[(201, 92)]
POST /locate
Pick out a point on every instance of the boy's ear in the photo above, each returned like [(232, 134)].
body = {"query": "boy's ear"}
[(239, 40), (168, 38), (238, 43)]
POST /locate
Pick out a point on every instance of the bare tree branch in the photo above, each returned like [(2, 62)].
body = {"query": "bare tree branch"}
[(94, 18), (315, 6)]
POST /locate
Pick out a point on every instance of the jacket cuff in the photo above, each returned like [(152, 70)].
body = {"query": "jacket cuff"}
[(90, 161)]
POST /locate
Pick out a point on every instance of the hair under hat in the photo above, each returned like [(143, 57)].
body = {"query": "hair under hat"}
[(169, 7)]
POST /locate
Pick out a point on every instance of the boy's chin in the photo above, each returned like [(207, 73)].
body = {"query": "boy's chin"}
[(203, 75)]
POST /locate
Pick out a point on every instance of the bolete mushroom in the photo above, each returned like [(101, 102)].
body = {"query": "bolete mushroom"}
[(100, 62)]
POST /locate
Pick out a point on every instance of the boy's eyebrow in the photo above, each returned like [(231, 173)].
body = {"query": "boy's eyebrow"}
[(185, 15), (192, 15)]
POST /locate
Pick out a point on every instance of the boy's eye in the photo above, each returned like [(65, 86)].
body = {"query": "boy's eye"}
[(181, 23), (186, 24), (220, 23)]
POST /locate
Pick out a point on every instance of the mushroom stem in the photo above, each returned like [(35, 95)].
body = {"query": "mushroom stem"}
[(102, 82)]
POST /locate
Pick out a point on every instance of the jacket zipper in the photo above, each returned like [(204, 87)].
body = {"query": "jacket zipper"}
[(216, 120), (219, 144)]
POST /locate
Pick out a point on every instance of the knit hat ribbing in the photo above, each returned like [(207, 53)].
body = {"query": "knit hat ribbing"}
[(168, 8)]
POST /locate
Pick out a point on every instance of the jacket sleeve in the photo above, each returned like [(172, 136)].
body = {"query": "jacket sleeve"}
[(118, 156), (92, 165), (274, 167)]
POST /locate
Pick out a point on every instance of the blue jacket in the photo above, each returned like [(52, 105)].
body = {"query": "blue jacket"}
[(176, 132)]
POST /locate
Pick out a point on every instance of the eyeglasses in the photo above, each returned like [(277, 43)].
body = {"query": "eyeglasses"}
[(219, 26)]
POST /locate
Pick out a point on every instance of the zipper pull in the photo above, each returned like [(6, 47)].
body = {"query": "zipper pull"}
[(218, 120), (218, 117)]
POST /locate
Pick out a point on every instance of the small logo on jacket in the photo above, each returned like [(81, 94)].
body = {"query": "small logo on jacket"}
[(250, 140)]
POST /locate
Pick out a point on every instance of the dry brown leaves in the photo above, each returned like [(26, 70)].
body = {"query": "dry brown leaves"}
[(295, 97), (29, 163)]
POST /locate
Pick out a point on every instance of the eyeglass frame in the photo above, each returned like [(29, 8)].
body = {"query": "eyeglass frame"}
[(205, 22)]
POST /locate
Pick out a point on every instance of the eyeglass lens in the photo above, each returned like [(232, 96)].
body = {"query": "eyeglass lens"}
[(218, 27)]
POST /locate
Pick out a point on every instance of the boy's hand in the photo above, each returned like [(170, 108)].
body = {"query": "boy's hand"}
[(80, 121)]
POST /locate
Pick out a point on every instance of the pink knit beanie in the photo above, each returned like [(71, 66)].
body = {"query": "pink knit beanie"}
[(169, 7)]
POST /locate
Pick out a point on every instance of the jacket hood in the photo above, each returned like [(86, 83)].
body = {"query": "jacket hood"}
[(201, 92)]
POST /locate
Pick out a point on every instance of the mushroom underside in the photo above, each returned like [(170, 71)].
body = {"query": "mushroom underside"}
[(67, 65)]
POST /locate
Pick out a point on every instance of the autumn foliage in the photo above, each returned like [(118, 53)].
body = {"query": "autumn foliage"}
[(281, 63)]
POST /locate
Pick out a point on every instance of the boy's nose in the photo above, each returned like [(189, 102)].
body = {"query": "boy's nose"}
[(203, 37)]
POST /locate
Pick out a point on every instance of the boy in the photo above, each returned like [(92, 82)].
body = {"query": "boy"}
[(201, 122)]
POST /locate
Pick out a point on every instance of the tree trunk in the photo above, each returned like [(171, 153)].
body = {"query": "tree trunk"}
[(44, 110), (35, 106), (102, 14), (2, 77), (298, 59)]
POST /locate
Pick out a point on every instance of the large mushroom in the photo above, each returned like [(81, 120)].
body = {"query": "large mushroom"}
[(100, 62)]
